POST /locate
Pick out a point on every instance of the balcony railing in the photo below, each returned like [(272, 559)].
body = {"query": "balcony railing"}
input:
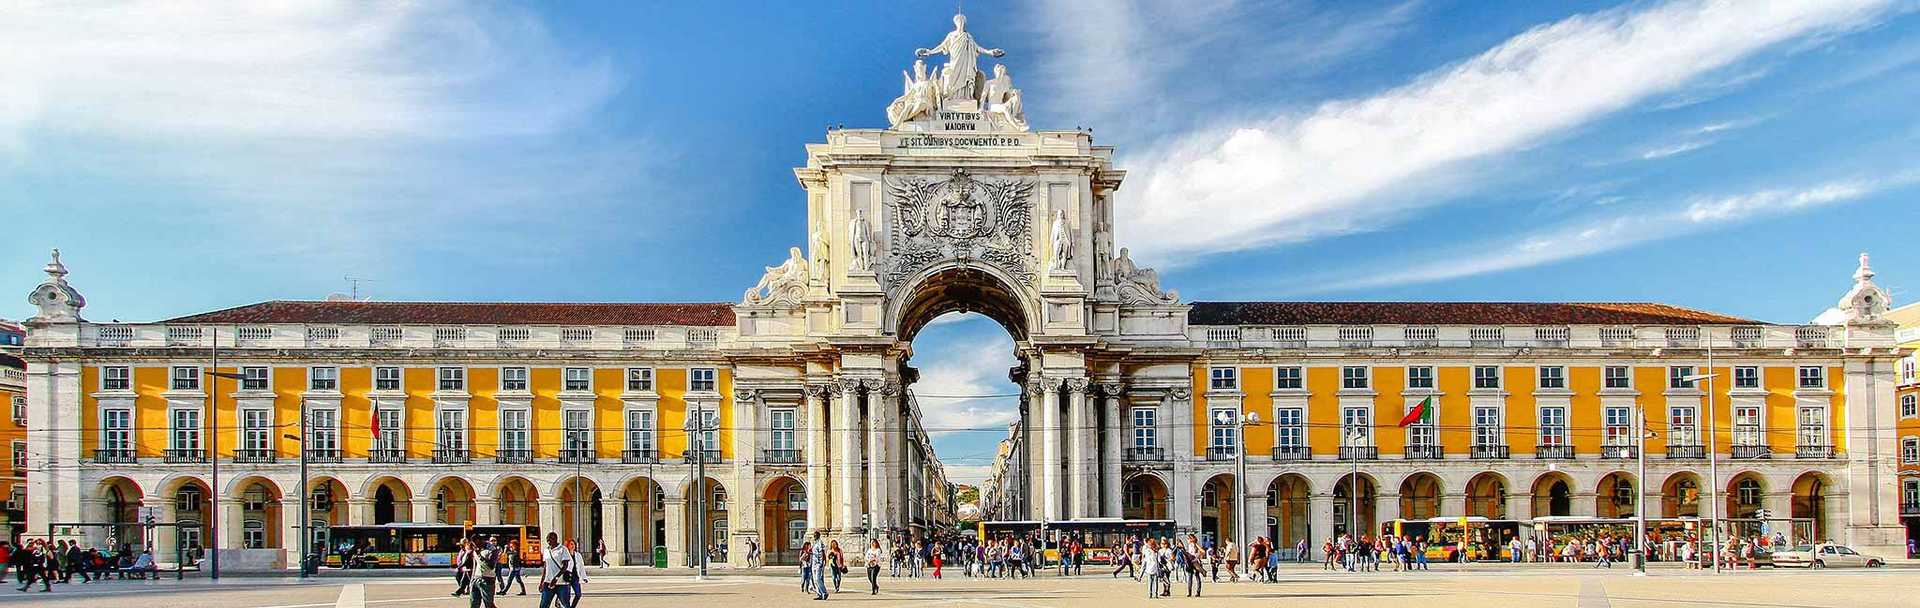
[(1752, 452), (1425, 452), (1813, 451), (709, 456), (253, 455), (780, 456), (1490, 452), (1676, 452), (177, 456), (323, 455), (387, 455), (1145, 454), (451, 456), (578, 456), (635, 456), (1553, 452), (1292, 452), (114, 456), (1360, 452), (513, 456), (1619, 452), (1219, 453), (1908, 509)]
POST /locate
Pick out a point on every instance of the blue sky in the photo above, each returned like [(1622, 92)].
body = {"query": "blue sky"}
[(1730, 156)]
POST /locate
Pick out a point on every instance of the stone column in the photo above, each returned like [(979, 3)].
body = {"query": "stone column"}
[(1083, 462), (846, 418), (1053, 485), (819, 515), (1178, 413), (613, 528), (1110, 457), (676, 540), (549, 517), (232, 509), (359, 512), (885, 464), (1586, 504), (1386, 508), (94, 510), (163, 539), (1453, 505), (422, 508), (486, 511), (1320, 523)]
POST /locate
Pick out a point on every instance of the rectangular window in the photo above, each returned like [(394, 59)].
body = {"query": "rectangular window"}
[(513, 378), (579, 429), (640, 379), (1420, 376), (1746, 425), (186, 378), (116, 378), (1224, 435), (19, 455), (386, 378), (1746, 376), (1813, 427), (1616, 377), (709, 429), (1290, 427), (1909, 405), (1910, 451), (640, 431), (1553, 426), (701, 379), (1354, 376), (1356, 426), (1677, 376), (1145, 427), (1224, 379), (783, 427), (1486, 427), (323, 379), (19, 409), (1681, 427), (389, 428), (1553, 376), (324, 426), (452, 430), (1421, 432), (185, 430), (1486, 376), (256, 430), (1813, 376), (577, 379), (253, 378), (1287, 378), (116, 429), (514, 431), (1619, 426), (453, 378)]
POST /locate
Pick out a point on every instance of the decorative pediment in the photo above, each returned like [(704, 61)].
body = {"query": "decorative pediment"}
[(960, 218)]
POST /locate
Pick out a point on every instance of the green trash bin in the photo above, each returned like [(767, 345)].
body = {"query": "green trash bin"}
[(659, 557)]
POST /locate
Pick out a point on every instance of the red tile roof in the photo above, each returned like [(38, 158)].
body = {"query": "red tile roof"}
[(1452, 313), (469, 313)]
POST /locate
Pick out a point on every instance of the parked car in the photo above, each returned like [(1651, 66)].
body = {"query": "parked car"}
[(1824, 555)]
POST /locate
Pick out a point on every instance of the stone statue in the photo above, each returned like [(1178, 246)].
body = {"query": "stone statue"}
[(1003, 99), (920, 96), (961, 77), (859, 242), (784, 283), (822, 254), (1062, 241), (1139, 285)]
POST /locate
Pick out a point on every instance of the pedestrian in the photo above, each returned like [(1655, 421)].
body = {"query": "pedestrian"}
[(600, 552), (483, 562), (753, 552), (460, 559), (556, 566), (27, 563), (818, 565), (1123, 560), (1194, 583), (514, 564), (837, 563), (1150, 569), (806, 565), (579, 578), (873, 567)]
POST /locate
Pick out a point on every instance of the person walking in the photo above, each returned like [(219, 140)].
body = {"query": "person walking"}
[(836, 563), (1194, 582), (579, 578), (1123, 560), (818, 563), (1150, 569), (556, 564), (483, 562), (460, 559), (514, 565), (873, 557), (806, 564), (600, 552)]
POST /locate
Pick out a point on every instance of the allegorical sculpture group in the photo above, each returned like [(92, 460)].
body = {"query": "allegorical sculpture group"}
[(960, 80)]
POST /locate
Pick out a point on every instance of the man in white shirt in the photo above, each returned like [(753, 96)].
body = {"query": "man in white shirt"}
[(556, 567)]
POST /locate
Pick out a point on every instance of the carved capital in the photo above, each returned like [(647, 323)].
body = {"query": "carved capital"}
[(1180, 394), (1113, 389), (890, 388), (821, 390), (872, 384), (1037, 387), (744, 394), (847, 385), (1076, 386)]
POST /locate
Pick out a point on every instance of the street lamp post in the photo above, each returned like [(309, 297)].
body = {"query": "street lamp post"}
[(1640, 492), (305, 493), (698, 425), (213, 451), (1240, 486), (1353, 484), (1713, 462)]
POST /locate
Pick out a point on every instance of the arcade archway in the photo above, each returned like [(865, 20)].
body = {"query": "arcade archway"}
[(643, 502), (783, 520), (1288, 498), (1146, 498)]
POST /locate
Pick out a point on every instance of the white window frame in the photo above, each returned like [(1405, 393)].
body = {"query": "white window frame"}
[(1553, 425), (696, 383), (117, 437), (1223, 435), (1910, 450), (1354, 418), (1746, 376), (323, 378), (1356, 377), (256, 428), (1617, 425), (450, 378), (1489, 426), (391, 436), (1486, 377), (1683, 425), (380, 383), (515, 379), (1553, 376), (1749, 426), (447, 438), (576, 379), (183, 378), (250, 381), (1146, 427), (707, 438), (640, 379), (1676, 377), (576, 425), (640, 431), (1289, 378), (1422, 433), (1290, 427), (1909, 405), (1420, 377), (124, 378), (1609, 377), (1223, 378), (323, 427), (1814, 426), (1815, 381), (19, 406), (783, 425), (186, 439), (516, 429)]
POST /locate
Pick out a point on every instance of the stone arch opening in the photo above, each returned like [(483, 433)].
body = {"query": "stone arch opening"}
[(1216, 507), (260, 513), (189, 503), (1553, 495), (1353, 511), (643, 502), (1420, 496), (974, 289), (784, 520), (392, 501), (120, 501), (1288, 499), (453, 501), (1487, 496), (580, 513), (1810, 505), (1146, 498), (1680, 495), (1615, 497), (518, 501), (713, 522)]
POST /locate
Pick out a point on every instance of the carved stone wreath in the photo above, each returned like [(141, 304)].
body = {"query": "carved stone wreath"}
[(960, 218)]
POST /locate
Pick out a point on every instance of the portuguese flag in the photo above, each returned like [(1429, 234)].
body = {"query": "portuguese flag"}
[(1421, 412)]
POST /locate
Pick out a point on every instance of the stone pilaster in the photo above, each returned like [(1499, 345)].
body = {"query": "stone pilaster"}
[(613, 529), (848, 496), (1083, 461), (677, 534), (819, 513), (1115, 438), (1178, 412), (1053, 484)]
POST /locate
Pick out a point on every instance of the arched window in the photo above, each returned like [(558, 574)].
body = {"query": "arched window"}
[(187, 500), (1747, 492), (719, 498), (796, 498), (1623, 493)]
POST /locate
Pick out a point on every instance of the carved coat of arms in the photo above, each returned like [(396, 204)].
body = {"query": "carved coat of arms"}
[(960, 218)]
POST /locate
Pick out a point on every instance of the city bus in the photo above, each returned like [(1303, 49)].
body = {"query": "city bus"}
[(1098, 534), (1452, 538), (416, 545)]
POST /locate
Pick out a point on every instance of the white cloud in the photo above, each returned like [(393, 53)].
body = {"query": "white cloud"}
[(972, 475), (975, 366), (1346, 165), (1673, 149), (1591, 235)]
